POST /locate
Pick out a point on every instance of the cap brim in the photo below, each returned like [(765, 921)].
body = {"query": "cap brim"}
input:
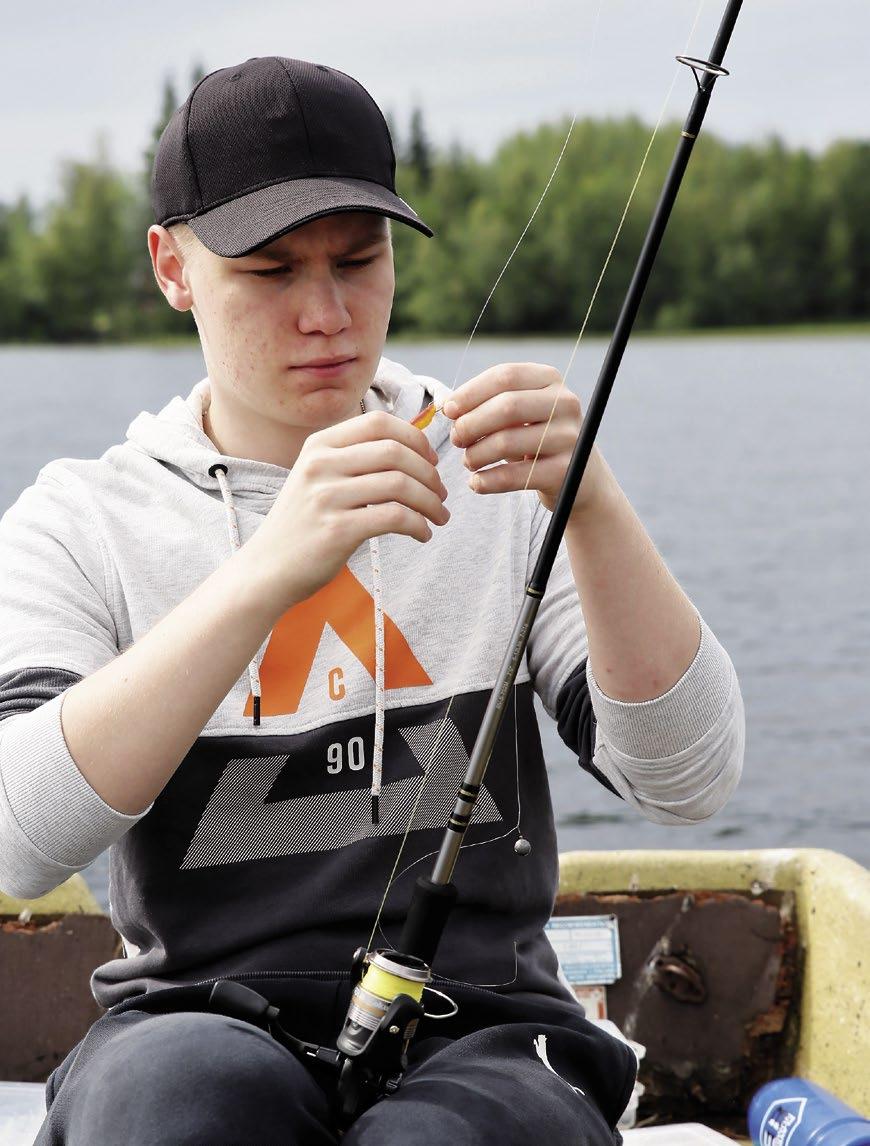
[(242, 225)]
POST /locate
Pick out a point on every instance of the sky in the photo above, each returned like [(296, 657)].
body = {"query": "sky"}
[(72, 75)]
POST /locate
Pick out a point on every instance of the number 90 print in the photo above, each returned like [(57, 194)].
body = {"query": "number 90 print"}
[(356, 759)]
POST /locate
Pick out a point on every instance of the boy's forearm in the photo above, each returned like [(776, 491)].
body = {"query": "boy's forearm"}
[(643, 631), (130, 724)]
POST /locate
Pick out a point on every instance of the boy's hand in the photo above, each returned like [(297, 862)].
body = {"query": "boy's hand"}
[(500, 417), (362, 478)]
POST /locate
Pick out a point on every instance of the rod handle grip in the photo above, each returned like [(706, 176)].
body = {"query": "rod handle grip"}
[(431, 904)]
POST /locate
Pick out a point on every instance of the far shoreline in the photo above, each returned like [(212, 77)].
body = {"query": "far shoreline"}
[(796, 330)]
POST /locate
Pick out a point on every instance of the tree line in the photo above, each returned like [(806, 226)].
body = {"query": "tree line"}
[(761, 234)]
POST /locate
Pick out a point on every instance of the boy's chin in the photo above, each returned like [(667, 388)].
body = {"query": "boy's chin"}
[(324, 407)]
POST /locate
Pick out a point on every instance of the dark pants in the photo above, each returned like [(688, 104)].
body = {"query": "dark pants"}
[(175, 1073)]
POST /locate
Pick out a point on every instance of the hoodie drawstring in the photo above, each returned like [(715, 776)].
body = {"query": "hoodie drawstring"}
[(378, 755), (219, 471), (380, 698)]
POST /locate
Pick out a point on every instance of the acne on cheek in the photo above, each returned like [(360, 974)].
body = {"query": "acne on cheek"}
[(244, 319), (244, 340)]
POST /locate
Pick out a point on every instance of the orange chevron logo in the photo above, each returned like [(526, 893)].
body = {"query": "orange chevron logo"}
[(347, 607)]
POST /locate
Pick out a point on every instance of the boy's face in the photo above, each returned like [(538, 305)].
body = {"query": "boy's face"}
[(293, 333)]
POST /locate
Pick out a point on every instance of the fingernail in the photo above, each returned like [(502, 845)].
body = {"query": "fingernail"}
[(451, 409)]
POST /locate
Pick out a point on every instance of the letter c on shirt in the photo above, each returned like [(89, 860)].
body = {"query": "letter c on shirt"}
[(337, 691)]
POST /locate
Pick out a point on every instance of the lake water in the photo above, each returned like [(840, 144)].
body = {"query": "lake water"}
[(747, 459)]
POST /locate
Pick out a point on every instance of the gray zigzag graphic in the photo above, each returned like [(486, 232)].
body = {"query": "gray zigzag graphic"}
[(238, 825)]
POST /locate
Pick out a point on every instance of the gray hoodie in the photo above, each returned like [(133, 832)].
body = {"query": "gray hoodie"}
[(260, 853)]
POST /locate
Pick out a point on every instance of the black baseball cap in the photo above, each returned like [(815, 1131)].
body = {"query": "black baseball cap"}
[(259, 149)]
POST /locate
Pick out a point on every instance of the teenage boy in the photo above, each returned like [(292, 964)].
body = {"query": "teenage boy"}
[(225, 722)]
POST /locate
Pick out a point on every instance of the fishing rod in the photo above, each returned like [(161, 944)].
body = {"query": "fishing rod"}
[(430, 903), (388, 985)]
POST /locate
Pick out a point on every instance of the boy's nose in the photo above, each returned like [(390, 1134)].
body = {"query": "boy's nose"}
[(322, 310)]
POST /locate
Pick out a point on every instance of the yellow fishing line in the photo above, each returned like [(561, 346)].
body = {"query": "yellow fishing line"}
[(386, 985)]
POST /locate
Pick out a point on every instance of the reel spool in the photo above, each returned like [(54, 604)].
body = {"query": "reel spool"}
[(383, 977)]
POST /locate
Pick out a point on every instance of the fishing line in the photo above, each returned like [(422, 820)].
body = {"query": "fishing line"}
[(520, 501), (609, 256), (637, 180), (468, 847), (501, 273), (477, 322), (531, 218)]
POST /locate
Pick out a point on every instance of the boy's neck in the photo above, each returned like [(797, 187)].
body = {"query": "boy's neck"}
[(242, 433)]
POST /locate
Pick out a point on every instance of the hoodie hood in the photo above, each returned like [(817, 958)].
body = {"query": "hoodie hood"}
[(176, 438)]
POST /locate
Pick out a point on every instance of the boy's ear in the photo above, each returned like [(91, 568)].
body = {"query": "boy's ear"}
[(167, 261)]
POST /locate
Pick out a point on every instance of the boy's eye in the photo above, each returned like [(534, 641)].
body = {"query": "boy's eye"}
[(271, 272), (345, 264)]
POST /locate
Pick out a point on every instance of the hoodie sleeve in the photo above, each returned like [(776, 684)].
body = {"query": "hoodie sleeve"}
[(678, 757), (55, 627)]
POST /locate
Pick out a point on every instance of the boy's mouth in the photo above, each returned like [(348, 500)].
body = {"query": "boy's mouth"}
[(324, 367)]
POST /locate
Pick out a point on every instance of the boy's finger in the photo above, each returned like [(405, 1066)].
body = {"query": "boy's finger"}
[(496, 380), (365, 458), (378, 425), (502, 412)]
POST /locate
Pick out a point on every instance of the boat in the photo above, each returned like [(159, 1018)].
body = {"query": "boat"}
[(737, 967), (734, 967)]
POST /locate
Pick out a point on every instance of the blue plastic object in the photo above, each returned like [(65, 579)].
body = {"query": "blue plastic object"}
[(794, 1112)]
